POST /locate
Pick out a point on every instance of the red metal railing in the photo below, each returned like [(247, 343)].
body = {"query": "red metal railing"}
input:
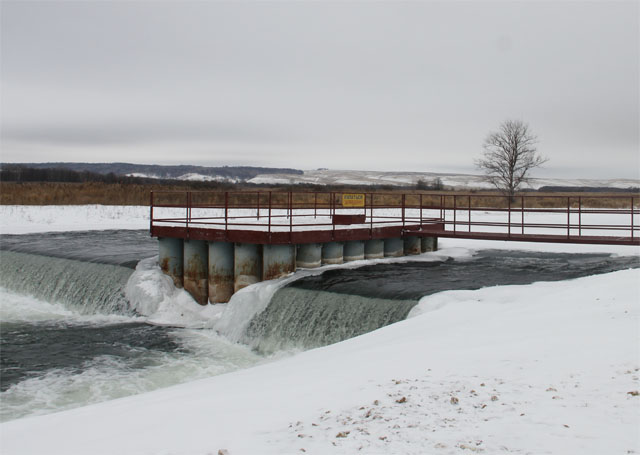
[(310, 216)]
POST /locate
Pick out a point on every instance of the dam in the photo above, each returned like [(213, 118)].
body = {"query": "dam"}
[(215, 243)]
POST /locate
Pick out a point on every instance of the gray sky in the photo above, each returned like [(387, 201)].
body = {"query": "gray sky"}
[(398, 86)]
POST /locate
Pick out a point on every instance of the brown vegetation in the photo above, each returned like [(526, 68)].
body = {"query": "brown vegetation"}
[(49, 193)]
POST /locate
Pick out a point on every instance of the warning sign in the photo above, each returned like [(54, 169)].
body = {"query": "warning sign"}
[(353, 200)]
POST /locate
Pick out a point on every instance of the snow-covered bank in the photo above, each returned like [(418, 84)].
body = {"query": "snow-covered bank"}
[(27, 219), (542, 368)]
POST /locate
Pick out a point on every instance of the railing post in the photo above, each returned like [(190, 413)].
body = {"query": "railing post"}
[(403, 208), (258, 193), (226, 213), (151, 213), (333, 212), (568, 216), (315, 205), (188, 211), (290, 215), (469, 212), (371, 214), (454, 214), (522, 213), (420, 211), (269, 212), (632, 218), (509, 217), (579, 216), (333, 204)]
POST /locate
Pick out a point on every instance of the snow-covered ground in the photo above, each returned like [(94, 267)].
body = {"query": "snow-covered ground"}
[(541, 368), (26, 219), (456, 181)]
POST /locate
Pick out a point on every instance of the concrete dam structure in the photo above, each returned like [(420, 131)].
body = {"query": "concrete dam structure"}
[(216, 243), (214, 271)]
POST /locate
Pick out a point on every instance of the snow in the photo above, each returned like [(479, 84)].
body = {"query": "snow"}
[(456, 181), (27, 219), (540, 368)]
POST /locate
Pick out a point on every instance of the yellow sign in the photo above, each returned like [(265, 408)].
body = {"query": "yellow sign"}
[(353, 200)]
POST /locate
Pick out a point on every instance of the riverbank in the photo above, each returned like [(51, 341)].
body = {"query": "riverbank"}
[(547, 367)]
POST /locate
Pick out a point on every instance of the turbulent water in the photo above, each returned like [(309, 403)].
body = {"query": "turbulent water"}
[(78, 325), (343, 303)]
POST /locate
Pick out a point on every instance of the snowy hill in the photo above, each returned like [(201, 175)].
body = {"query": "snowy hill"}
[(453, 181)]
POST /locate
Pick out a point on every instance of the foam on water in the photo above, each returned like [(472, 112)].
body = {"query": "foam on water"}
[(199, 354)]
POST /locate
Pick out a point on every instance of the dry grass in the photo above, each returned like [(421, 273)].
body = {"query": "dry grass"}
[(138, 194)]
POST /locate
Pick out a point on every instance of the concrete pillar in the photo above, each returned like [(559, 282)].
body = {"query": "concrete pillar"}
[(374, 249), (195, 270), (170, 258), (220, 272), (309, 255), (278, 260), (247, 265), (332, 253), (412, 245), (429, 244), (353, 250), (393, 248)]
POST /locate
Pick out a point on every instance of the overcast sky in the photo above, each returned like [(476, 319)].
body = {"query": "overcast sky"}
[(398, 86)]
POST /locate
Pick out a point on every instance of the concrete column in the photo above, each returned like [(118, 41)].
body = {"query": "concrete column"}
[(195, 270), (393, 248), (332, 253), (353, 250), (429, 244), (278, 260), (170, 259), (412, 245), (309, 255), (220, 271), (247, 265), (374, 249)]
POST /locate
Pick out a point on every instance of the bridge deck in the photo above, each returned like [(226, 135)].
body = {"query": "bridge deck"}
[(303, 217)]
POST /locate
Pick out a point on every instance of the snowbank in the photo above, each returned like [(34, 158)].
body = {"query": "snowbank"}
[(28, 219), (542, 368)]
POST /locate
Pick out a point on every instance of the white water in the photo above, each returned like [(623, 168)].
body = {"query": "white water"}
[(202, 353)]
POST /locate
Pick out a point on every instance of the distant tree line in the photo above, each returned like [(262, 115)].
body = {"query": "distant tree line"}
[(25, 174), (162, 171), (18, 173)]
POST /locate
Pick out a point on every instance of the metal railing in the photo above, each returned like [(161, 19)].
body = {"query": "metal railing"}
[(582, 218)]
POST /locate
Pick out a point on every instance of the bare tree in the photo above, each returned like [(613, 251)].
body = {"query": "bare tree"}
[(509, 155)]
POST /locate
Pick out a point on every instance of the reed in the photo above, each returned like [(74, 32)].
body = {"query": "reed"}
[(49, 193)]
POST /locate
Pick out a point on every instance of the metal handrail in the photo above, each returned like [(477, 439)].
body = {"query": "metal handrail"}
[(455, 212)]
